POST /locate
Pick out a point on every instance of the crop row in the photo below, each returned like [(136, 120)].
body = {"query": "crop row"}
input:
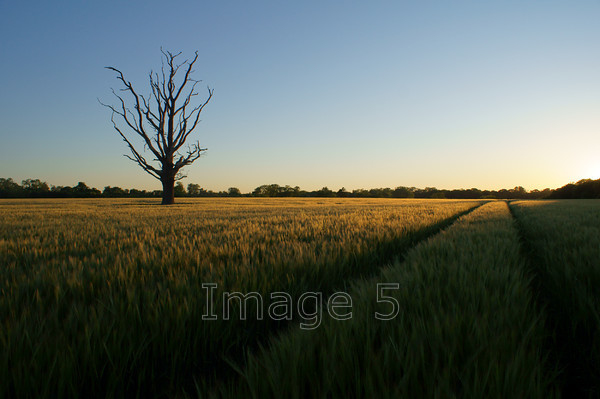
[(466, 325), (105, 298), (562, 239)]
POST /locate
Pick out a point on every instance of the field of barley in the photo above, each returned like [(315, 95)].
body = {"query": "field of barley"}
[(106, 298)]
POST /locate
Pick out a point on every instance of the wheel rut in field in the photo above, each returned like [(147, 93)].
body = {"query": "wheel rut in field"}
[(419, 237), (574, 378), (224, 371)]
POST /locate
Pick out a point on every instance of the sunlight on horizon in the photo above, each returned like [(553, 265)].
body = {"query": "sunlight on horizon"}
[(594, 172), (351, 94)]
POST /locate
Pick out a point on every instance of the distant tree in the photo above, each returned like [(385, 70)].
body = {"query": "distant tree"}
[(114, 192), (402, 192), (274, 190), (266, 190), (518, 192), (81, 187), (164, 120), (260, 191), (360, 193), (82, 190), (35, 187), (193, 190), (324, 192), (179, 190), (342, 193), (139, 193), (380, 192), (55, 190), (288, 191), (68, 192), (234, 192), (586, 188), (546, 193), (9, 188), (472, 193)]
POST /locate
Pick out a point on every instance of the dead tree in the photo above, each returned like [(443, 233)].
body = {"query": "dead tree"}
[(163, 120)]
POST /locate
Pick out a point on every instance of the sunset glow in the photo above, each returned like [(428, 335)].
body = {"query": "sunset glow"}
[(357, 95)]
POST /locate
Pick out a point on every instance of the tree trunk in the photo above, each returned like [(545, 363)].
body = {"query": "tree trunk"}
[(168, 194)]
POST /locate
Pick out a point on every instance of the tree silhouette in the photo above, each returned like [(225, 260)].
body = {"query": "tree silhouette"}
[(163, 119)]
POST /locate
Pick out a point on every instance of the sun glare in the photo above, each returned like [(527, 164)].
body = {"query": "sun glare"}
[(594, 172)]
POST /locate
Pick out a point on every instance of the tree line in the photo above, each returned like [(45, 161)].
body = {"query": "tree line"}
[(35, 188)]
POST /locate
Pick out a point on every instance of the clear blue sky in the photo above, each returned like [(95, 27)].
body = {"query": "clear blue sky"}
[(314, 93)]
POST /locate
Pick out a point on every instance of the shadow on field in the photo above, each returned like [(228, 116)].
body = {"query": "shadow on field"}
[(220, 368), (568, 344)]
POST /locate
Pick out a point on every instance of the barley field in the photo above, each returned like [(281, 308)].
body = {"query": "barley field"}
[(105, 298), (562, 240), (467, 327), (447, 298)]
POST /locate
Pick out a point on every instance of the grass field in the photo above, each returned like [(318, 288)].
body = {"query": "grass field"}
[(105, 298)]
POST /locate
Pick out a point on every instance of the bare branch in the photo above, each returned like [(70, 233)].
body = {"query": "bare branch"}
[(137, 157), (138, 124), (193, 153), (186, 78), (184, 133)]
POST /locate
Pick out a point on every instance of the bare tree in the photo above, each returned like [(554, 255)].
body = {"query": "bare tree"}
[(164, 120)]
